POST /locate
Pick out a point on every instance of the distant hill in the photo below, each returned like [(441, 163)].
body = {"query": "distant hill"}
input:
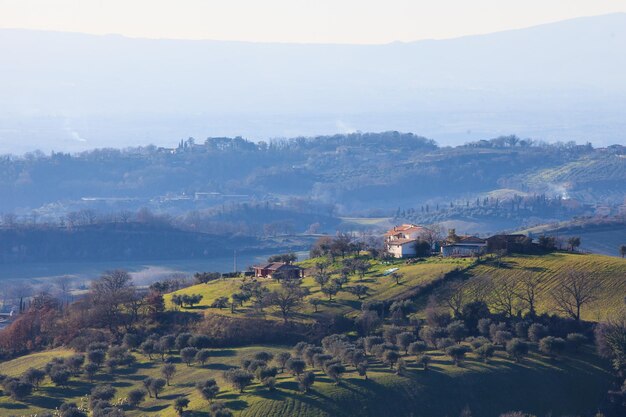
[(602, 236), (69, 91)]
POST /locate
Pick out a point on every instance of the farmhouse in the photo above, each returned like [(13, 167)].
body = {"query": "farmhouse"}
[(286, 270), (400, 241), (463, 246)]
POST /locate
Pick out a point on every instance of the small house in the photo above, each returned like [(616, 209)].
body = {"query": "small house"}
[(464, 246), (286, 270)]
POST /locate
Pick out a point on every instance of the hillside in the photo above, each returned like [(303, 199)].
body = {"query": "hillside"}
[(604, 236), (443, 390), (551, 269), (435, 276)]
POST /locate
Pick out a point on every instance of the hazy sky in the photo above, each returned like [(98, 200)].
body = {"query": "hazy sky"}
[(333, 21)]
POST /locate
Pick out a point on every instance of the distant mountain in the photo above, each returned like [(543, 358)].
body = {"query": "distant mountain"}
[(74, 91)]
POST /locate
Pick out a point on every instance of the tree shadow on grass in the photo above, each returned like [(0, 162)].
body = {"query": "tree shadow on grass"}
[(219, 366), (223, 352), (16, 406)]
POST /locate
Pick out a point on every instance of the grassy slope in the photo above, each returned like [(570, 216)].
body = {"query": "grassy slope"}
[(381, 287), (574, 384), (610, 271)]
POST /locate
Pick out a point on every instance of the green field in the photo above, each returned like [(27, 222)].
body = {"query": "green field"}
[(572, 384)]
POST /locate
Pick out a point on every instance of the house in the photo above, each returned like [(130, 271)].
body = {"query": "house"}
[(463, 246), (400, 241), (286, 270), (514, 243)]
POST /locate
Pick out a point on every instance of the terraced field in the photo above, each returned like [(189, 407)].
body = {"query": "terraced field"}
[(610, 272), (570, 385), (381, 287)]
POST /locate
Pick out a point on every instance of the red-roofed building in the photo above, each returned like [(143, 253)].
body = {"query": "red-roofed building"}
[(400, 241), (287, 271)]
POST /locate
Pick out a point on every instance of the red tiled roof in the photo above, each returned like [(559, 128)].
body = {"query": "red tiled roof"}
[(405, 228)]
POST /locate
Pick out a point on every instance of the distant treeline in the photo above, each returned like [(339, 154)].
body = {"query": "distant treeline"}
[(113, 242)]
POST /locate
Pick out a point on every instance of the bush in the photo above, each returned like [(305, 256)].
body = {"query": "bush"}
[(101, 393), (575, 341), (136, 397), (536, 332), (17, 390), (552, 346), (457, 353), (516, 348)]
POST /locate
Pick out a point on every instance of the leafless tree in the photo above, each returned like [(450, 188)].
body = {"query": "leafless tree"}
[(503, 297), (456, 298), (527, 291), (575, 290)]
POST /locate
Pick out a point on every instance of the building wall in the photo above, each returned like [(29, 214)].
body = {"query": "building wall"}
[(402, 251), (462, 250)]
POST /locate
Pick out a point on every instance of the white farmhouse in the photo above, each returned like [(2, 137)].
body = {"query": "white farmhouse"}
[(400, 241)]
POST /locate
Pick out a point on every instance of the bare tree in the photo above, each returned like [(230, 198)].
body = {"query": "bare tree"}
[(456, 298), (503, 296), (527, 291), (575, 290), (288, 299)]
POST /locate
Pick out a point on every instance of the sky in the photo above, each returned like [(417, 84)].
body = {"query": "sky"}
[(295, 21)]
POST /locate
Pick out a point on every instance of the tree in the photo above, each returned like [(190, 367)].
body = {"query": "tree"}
[(610, 340), (362, 267), (503, 296), (536, 332), (335, 371), (208, 389), (622, 250), (315, 302), (424, 361), (457, 353), (90, 370), (305, 381), (573, 242), (157, 385), (417, 349), (361, 368), (390, 357), (296, 366), (359, 290), (527, 291), (136, 397), (575, 290), (96, 357), (59, 375), (203, 356), (220, 302), (34, 377), (281, 359), (17, 389), (330, 290), (109, 295), (397, 277), (516, 348), (103, 392), (405, 339), (486, 351), (238, 378), (552, 346), (188, 355), (368, 321), (167, 371), (321, 279), (456, 331), (288, 299), (180, 404), (206, 277)]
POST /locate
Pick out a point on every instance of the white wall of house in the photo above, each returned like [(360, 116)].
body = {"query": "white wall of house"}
[(402, 251)]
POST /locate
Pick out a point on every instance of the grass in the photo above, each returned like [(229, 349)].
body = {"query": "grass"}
[(571, 385), (609, 271), (380, 287)]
